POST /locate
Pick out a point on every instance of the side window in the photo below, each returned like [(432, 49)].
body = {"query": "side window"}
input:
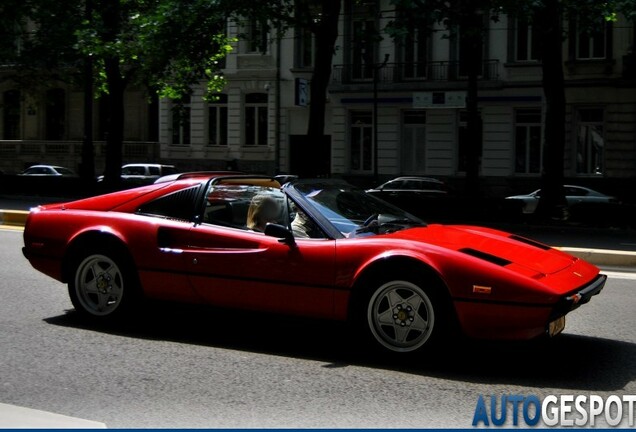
[(179, 205), (575, 191), (153, 170), (247, 207)]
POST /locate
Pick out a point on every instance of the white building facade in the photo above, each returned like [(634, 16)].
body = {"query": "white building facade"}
[(411, 120)]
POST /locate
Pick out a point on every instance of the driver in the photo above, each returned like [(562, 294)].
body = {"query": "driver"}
[(263, 210)]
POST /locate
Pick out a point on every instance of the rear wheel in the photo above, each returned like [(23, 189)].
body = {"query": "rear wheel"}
[(102, 286), (403, 316)]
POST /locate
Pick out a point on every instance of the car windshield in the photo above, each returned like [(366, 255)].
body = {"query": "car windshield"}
[(354, 212)]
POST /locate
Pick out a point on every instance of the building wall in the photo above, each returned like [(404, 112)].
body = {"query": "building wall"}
[(515, 85), (596, 84)]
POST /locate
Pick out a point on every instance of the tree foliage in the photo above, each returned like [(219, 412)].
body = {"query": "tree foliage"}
[(167, 46), (164, 45)]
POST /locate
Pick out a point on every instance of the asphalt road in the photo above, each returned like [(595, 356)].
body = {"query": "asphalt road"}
[(202, 368)]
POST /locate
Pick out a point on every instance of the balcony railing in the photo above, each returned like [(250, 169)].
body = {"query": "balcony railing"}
[(393, 73)]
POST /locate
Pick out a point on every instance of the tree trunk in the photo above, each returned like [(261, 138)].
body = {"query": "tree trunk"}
[(87, 171), (471, 42), (115, 128), (549, 20), (325, 44), (111, 16)]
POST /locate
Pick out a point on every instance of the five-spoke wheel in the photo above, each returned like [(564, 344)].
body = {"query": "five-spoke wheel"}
[(401, 316), (99, 286)]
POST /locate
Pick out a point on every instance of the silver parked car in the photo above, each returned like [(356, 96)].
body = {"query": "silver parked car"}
[(143, 173), (48, 170), (573, 195)]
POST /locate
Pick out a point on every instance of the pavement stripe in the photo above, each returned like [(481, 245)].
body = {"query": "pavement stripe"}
[(14, 417), (13, 217), (604, 257)]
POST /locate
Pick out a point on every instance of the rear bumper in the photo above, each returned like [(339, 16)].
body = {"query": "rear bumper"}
[(579, 297)]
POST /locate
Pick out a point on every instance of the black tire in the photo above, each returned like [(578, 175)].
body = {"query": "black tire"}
[(403, 316), (103, 285)]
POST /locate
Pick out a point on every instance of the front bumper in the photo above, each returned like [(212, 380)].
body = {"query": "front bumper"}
[(579, 297)]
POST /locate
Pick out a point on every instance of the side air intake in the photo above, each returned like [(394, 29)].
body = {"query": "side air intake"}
[(486, 257)]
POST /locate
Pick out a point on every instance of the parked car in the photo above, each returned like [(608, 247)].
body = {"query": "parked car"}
[(413, 194), (574, 195), (48, 170), (143, 173), (328, 250)]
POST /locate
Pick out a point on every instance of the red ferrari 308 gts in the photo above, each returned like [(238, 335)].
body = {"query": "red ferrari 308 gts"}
[(311, 248)]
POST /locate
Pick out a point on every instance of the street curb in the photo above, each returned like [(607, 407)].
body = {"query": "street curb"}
[(599, 257), (603, 257), (13, 217)]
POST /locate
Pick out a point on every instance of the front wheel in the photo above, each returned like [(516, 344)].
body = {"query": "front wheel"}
[(101, 286), (402, 316)]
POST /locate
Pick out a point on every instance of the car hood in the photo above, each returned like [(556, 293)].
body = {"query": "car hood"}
[(497, 247)]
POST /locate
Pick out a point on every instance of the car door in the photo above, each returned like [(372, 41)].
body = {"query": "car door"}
[(161, 241), (230, 265)]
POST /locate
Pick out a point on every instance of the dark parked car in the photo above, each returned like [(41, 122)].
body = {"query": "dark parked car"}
[(413, 194)]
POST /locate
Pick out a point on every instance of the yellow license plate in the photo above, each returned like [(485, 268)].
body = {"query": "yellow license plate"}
[(556, 326)]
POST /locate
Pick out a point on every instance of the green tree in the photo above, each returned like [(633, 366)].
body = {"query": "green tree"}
[(165, 45)]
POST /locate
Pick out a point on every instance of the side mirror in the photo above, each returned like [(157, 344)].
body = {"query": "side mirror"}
[(283, 234)]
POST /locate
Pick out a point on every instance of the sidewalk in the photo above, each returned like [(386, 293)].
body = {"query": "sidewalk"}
[(14, 417), (600, 246)]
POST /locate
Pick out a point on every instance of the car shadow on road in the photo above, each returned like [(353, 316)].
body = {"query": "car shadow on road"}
[(569, 362)]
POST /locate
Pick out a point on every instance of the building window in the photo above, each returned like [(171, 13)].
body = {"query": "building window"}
[(257, 34), (305, 47), (11, 115), (590, 141), (363, 54), (464, 140), (217, 121), (361, 144), (591, 43), (526, 42), (413, 51), (55, 114), (256, 119), (414, 142), (181, 122), (528, 141)]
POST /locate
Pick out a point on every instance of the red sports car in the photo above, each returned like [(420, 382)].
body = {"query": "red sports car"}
[(312, 248)]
